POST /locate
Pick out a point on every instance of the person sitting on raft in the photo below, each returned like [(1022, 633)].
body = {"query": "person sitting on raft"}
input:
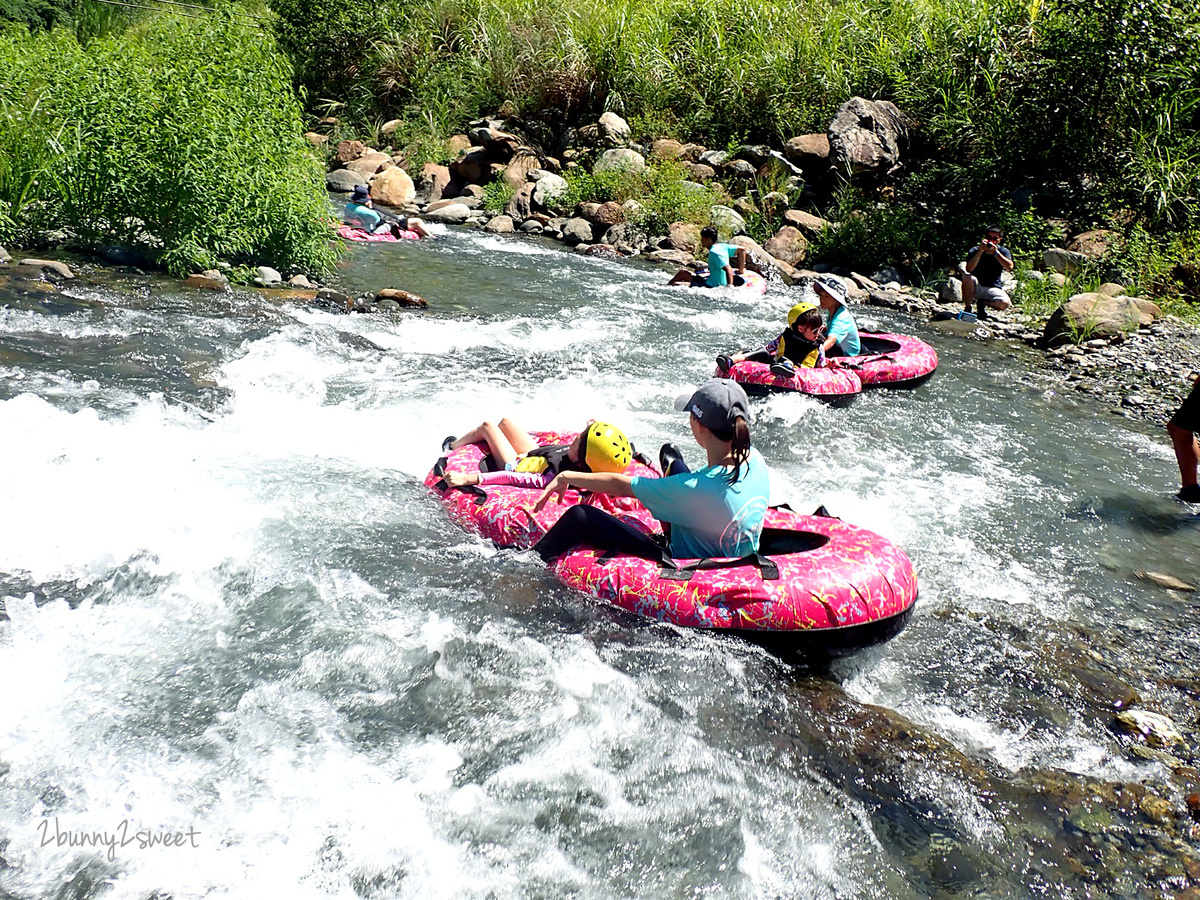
[(360, 213), (520, 462), (717, 511), (843, 333), (725, 263), (800, 344)]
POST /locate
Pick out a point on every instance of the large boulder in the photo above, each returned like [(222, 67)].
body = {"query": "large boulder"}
[(758, 259), (431, 183), (674, 257), (614, 131), (520, 204), (517, 171), (739, 168), (608, 214), (393, 187), (776, 168), (500, 145), (348, 151), (578, 231), (473, 167), (868, 136), (665, 148), (727, 220), (452, 213), (456, 144), (342, 180), (620, 159), (1096, 315), (500, 225), (789, 245), (808, 223), (1094, 244), (1067, 262), (808, 151), (548, 191), (683, 236), (369, 163)]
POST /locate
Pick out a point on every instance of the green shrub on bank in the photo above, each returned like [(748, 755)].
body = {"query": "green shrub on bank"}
[(661, 191), (181, 135)]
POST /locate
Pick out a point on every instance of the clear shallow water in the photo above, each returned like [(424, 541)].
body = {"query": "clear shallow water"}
[(233, 608)]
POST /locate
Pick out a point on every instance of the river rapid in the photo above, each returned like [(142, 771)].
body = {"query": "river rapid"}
[(235, 619)]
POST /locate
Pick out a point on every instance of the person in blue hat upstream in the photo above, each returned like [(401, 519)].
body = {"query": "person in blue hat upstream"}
[(360, 212), (715, 511)]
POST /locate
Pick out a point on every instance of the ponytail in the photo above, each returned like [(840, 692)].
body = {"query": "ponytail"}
[(739, 446)]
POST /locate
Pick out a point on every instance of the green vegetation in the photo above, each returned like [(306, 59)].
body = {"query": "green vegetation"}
[(179, 136), (662, 192)]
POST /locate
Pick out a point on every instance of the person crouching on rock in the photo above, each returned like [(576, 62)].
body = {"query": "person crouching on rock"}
[(843, 332), (360, 213), (801, 345), (717, 511), (517, 460), (1183, 428), (726, 263), (981, 274)]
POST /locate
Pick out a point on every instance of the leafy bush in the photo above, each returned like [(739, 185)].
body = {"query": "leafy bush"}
[(181, 135), (496, 195)]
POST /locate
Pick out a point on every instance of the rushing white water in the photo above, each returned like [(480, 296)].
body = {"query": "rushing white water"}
[(234, 613)]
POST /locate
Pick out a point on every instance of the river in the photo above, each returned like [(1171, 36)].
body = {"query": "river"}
[(235, 618)]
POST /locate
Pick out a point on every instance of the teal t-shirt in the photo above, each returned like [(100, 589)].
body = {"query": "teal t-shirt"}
[(720, 256), (844, 331), (709, 516), (362, 217)]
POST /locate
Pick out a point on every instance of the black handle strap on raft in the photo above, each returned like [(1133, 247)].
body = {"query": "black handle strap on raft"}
[(672, 571), (879, 357), (439, 469)]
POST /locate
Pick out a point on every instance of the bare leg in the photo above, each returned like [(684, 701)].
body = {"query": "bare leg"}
[(683, 276), (419, 227), (506, 440), (1187, 452), (968, 291)]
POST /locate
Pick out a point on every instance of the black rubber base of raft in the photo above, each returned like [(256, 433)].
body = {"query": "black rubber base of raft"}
[(824, 644)]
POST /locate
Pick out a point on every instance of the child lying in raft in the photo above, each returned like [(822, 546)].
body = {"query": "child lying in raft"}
[(800, 344), (600, 447)]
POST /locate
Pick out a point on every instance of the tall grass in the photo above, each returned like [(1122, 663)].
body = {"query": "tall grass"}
[(181, 136)]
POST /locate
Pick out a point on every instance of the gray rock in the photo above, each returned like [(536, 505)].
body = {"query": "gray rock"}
[(1065, 262), (868, 136), (714, 158), (60, 269), (5, 257), (614, 130), (453, 214), (619, 159), (887, 274), (267, 275), (578, 231), (548, 190), (1094, 315), (520, 204), (739, 168), (500, 225), (342, 181), (300, 281), (727, 220), (532, 226)]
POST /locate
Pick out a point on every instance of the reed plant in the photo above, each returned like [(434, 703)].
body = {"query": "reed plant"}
[(180, 136)]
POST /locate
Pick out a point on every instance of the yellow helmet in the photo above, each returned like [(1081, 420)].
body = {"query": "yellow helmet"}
[(606, 448), (798, 310)]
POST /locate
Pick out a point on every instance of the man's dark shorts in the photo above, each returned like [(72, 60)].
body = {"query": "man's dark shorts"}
[(1187, 416)]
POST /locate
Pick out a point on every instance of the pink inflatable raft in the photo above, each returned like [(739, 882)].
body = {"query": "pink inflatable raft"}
[(357, 234), (818, 588), (886, 360)]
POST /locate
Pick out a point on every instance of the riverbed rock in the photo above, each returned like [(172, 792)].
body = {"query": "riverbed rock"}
[(620, 159), (1167, 581), (393, 187), (811, 225), (60, 269), (369, 163), (700, 171), (454, 213), (1096, 315), (5, 257), (317, 140), (500, 225), (868, 136), (808, 151), (608, 213), (683, 236), (208, 280), (739, 168), (301, 281), (520, 204), (788, 244), (726, 220), (472, 167), (348, 151), (1065, 262), (267, 276), (1155, 728), (431, 183), (680, 258), (665, 148), (548, 190), (614, 131), (401, 297), (499, 145), (775, 168), (578, 231), (342, 181), (759, 260), (1094, 244), (516, 173)]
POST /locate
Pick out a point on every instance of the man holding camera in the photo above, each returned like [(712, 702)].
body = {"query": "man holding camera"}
[(986, 261)]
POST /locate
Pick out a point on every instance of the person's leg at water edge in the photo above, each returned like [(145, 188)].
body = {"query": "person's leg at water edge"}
[(1182, 428)]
